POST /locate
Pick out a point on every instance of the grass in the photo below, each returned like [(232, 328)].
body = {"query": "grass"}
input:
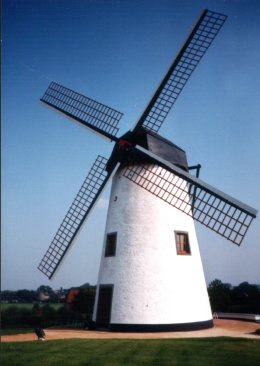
[(96, 352), (12, 331), (29, 305)]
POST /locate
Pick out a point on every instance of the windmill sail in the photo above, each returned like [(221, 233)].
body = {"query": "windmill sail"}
[(89, 112), (75, 217), (181, 69), (216, 210)]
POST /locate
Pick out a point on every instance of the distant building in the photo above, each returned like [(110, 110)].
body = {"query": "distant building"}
[(43, 296)]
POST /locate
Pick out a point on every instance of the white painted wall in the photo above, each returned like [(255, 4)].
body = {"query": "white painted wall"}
[(152, 284)]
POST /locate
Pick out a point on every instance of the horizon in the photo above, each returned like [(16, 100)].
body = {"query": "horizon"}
[(85, 285)]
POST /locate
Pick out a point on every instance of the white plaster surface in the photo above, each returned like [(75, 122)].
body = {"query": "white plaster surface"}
[(152, 284)]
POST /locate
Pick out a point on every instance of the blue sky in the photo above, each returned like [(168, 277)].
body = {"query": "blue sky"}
[(117, 52)]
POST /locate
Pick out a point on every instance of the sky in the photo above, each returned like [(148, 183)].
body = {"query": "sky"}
[(117, 52)]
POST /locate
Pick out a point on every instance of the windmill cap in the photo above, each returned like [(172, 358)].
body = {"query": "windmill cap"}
[(153, 142)]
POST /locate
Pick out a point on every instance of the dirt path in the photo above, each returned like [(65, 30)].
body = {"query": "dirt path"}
[(226, 328)]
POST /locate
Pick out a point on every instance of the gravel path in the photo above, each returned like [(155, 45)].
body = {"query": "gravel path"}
[(226, 328)]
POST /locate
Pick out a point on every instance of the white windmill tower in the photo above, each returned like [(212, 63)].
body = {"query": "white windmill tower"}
[(151, 277)]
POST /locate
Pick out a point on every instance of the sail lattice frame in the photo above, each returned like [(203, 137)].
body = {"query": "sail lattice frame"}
[(76, 215), (180, 71), (214, 209), (87, 111)]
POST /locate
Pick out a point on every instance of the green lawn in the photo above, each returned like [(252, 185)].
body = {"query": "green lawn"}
[(156, 352), (11, 331), (29, 305)]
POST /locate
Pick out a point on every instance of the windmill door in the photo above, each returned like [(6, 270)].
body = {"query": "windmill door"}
[(104, 306)]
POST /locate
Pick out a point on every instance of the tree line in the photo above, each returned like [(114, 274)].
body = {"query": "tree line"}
[(30, 296), (244, 298), (44, 313)]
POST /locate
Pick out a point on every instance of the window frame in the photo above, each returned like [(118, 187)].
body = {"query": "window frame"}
[(110, 249), (177, 234)]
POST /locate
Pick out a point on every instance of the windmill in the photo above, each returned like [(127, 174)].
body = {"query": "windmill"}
[(151, 276)]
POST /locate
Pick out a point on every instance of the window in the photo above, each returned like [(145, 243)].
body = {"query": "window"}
[(110, 250), (182, 243)]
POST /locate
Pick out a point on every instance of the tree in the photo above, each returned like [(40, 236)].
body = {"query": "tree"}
[(246, 298), (219, 295), (46, 290), (26, 295), (84, 301)]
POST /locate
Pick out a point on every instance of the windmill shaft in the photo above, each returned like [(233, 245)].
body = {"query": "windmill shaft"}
[(153, 286)]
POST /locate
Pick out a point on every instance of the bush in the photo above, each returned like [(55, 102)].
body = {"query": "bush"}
[(84, 302), (15, 316), (67, 316), (44, 316)]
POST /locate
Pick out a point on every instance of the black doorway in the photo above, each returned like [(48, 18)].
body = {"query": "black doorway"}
[(104, 306)]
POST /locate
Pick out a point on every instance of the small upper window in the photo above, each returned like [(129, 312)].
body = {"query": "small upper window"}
[(110, 250), (182, 243)]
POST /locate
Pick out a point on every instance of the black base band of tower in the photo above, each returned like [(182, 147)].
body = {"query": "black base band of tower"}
[(181, 327)]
